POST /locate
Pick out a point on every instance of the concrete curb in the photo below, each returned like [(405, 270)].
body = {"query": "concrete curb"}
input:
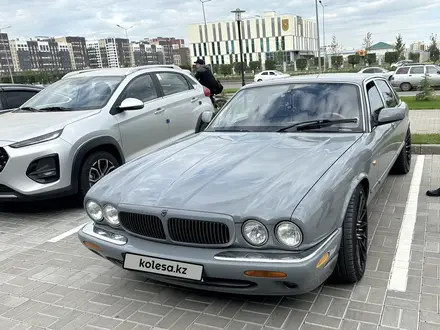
[(426, 149)]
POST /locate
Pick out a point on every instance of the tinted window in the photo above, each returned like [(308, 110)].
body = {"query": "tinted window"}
[(172, 83), (431, 70), (417, 70), (15, 99), (378, 70), (264, 73), (368, 70), (387, 94), (374, 98), (272, 73), (141, 88), (402, 70)]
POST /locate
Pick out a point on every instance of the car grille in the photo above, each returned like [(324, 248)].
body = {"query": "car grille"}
[(3, 158), (198, 232), (142, 224)]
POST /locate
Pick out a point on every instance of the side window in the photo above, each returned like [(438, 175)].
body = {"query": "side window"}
[(431, 70), (417, 70), (374, 99), (404, 70), (173, 83), (265, 73), (368, 70), (141, 88), (272, 73), (387, 94), (15, 99)]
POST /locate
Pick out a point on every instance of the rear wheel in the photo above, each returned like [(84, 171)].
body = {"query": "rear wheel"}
[(352, 259), (406, 87), (403, 161)]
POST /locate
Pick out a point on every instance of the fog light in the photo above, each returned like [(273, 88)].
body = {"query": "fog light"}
[(265, 273), (44, 170), (119, 238), (323, 260)]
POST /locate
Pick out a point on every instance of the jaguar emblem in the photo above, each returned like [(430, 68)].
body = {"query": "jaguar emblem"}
[(164, 213)]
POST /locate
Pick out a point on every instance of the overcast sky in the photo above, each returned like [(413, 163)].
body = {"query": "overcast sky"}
[(348, 20)]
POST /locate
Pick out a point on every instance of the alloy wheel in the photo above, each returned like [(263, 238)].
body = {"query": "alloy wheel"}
[(99, 169), (408, 148), (362, 232)]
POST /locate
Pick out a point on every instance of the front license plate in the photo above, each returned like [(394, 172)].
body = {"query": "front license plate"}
[(163, 267)]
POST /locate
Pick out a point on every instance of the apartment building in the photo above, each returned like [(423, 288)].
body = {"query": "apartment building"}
[(169, 45), (263, 38), (144, 53), (5, 54), (78, 51)]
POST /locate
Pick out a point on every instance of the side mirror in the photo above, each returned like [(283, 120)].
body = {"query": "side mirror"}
[(207, 116), (131, 104), (390, 115)]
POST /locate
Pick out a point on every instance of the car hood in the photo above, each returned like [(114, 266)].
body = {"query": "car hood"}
[(233, 173), (20, 126)]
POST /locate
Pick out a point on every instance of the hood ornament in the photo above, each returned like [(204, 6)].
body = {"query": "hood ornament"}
[(164, 213)]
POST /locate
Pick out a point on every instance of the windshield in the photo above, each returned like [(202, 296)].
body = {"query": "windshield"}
[(269, 108), (79, 93)]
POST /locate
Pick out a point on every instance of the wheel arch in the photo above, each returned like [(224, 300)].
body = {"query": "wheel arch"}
[(361, 179), (103, 143)]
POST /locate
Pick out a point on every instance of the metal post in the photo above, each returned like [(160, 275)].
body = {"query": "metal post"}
[(241, 52), (126, 36), (6, 54), (206, 31), (317, 32), (323, 32)]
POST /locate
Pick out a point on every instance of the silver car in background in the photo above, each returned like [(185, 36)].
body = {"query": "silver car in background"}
[(79, 129), (411, 76), (378, 71)]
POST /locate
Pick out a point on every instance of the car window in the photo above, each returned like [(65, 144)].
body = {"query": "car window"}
[(265, 73), (374, 98), (368, 70), (15, 99), (387, 94), (142, 88), (1, 105), (417, 70), (272, 73), (402, 70), (173, 83), (379, 70), (431, 69)]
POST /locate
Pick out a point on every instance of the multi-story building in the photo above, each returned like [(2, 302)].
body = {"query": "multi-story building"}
[(168, 46), (182, 56), (263, 38), (109, 53), (94, 54), (417, 46), (144, 53), (6, 61), (78, 51)]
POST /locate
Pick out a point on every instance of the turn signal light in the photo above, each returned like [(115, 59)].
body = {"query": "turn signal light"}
[(93, 246), (323, 260), (265, 273)]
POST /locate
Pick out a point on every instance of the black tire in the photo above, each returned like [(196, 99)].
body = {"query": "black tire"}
[(259, 80), (352, 258), (85, 174), (406, 87), (402, 164)]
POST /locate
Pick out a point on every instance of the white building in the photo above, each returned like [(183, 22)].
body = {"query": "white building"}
[(263, 37)]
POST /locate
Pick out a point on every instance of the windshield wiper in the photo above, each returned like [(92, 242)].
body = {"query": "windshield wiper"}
[(318, 123), (29, 109), (55, 109), (230, 130)]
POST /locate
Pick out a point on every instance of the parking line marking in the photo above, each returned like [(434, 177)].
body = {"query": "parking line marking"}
[(66, 234), (399, 272)]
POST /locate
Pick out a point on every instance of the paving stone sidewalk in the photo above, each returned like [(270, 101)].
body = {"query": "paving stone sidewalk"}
[(64, 286), (425, 121)]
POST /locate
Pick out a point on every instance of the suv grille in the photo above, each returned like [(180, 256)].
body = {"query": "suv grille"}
[(198, 232), (3, 159), (142, 224)]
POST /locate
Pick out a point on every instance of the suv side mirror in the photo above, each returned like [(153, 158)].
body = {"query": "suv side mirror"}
[(204, 120), (131, 104), (390, 115)]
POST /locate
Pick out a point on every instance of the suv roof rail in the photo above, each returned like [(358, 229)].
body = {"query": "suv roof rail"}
[(150, 66), (72, 73)]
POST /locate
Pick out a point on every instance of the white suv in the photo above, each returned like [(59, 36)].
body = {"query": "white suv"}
[(77, 130), (409, 77)]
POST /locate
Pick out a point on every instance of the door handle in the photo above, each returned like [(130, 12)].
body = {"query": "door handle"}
[(159, 110), (194, 99)]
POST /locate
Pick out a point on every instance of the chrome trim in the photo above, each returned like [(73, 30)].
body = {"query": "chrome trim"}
[(283, 258), (7, 196), (89, 229)]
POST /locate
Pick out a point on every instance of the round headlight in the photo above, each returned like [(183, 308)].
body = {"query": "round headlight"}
[(111, 215), (255, 233), (94, 210), (288, 234)]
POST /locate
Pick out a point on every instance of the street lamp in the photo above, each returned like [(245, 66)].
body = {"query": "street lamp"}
[(125, 29), (206, 28), (323, 31), (238, 13), (317, 31), (6, 53)]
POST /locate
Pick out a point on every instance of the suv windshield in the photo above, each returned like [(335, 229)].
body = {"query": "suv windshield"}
[(71, 94), (270, 108)]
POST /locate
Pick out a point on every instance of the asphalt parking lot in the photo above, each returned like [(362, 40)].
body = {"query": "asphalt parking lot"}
[(48, 280)]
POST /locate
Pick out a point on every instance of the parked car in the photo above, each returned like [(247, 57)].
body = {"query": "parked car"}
[(85, 125), (270, 199), (377, 70), (401, 63), (13, 96), (409, 77), (269, 75)]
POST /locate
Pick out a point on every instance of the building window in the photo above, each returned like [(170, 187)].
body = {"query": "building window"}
[(272, 23), (201, 33), (220, 31), (234, 34), (205, 49), (259, 57), (233, 46), (213, 48), (194, 50), (261, 45), (257, 22), (227, 46), (267, 45), (249, 29), (214, 33), (200, 50), (283, 43), (279, 25), (219, 49), (228, 30), (277, 44), (247, 45), (253, 45), (263, 21), (223, 59)]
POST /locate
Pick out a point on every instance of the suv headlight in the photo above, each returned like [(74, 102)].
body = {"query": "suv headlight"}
[(94, 211), (288, 234), (255, 232), (111, 215), (38, 139)]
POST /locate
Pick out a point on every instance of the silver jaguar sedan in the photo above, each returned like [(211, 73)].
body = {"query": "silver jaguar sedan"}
[(269, 199)]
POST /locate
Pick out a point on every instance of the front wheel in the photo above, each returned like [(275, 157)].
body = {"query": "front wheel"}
[(406, 87), (403, 161), (96, 165), (352, 258)]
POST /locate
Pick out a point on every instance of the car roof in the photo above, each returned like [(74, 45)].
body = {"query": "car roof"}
[(25, 86), (122, 72), (353, 78)]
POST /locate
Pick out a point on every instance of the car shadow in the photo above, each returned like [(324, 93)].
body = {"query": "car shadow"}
[(45, 206)]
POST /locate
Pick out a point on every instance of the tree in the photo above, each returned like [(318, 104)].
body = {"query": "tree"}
[(354, 59), (368, 42), (279, 57), (255, 65), (270, 65), (337, 61), (427, 93), (301, 64), (391, 57), (415, 57), (237, 67), (371, 58), (226, 69), (434, 52), (216, 68), (315, 61), (334, 46), (399, 47)]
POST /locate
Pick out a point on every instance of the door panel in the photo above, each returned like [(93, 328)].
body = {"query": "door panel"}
[(147, 128), (432, 73), (416, 74)]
